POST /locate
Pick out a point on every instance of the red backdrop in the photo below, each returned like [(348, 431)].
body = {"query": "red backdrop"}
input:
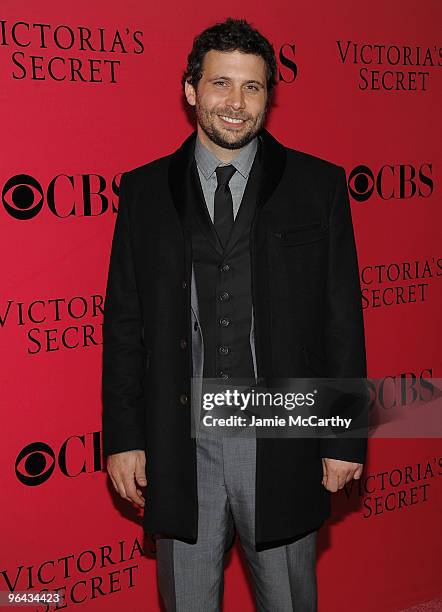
[(91, 89)]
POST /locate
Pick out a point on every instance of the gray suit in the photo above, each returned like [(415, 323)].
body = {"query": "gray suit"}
[(190, 576)]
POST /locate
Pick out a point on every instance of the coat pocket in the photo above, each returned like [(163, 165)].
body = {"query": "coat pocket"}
[(301, 234)]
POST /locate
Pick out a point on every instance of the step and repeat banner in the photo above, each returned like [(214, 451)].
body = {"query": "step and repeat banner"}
[(92, 89)]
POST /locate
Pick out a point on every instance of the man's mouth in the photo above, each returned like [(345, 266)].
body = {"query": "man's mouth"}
[(231, 119)]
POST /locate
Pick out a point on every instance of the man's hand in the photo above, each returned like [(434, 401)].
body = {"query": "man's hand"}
[(336, 473), (125, 470)]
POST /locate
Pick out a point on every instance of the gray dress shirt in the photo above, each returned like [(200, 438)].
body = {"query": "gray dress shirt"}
[(207, 162)]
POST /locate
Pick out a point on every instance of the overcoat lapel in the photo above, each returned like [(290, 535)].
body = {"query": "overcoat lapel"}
[(273, 162)]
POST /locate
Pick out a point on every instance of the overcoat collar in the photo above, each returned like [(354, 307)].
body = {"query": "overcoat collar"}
[(182, 167)]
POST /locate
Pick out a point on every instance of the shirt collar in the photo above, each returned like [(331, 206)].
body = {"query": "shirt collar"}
[(208, 162)]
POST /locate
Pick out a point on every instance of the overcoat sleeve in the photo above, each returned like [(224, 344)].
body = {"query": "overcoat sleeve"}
[(344, 324), (124, 356)]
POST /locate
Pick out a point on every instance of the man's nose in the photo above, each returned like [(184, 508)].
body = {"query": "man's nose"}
[(236, 98)]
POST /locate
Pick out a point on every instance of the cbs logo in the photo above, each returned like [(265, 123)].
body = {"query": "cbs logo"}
[(399, 182), (77, 195)]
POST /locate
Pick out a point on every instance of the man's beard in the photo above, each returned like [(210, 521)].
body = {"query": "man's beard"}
[(206, 120)]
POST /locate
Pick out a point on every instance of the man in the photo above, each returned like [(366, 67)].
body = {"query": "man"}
[(232, 257)]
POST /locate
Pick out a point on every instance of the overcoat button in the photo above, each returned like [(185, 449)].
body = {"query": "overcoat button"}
[(224, 322), (225, 268), (183, 399), (183, 343), (184, 285), (223, 350), (224, 296)]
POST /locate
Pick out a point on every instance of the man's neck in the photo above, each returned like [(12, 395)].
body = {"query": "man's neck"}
[(224, 155)]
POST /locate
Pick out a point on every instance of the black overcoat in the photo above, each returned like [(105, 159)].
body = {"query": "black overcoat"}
[(308, 322)]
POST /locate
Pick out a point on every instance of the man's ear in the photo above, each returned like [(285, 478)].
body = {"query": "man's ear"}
[(190, 93)]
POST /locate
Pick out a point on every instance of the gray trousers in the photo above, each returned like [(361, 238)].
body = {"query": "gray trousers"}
[(191, 576)]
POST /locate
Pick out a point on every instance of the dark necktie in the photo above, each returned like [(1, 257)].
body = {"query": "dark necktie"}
[(223, 215)]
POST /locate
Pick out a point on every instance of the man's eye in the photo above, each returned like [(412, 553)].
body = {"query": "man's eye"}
[(219, 82), (253, 87)]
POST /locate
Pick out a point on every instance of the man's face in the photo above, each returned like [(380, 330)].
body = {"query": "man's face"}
[(233, 86)]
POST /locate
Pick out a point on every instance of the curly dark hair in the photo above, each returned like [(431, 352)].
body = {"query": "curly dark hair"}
[(231, 35)]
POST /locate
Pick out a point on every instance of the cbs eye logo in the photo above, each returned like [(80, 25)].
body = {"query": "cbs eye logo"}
[(37, 461), (35, 464), (86, 195), (361, 183), (22, 197), (400, 182)]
